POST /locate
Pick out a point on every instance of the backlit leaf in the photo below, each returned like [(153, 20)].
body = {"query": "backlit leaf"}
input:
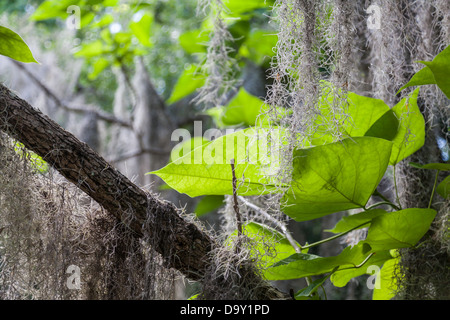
[(335, 177), (13, 46)]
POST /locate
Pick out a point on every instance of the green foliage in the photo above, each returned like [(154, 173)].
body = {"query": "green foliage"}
[(13, 46), (271, 246), (435, 72), (411, 131), (208, 204), (444, 188), (243, 110), (188, 82), (336, 177), (206, 170)]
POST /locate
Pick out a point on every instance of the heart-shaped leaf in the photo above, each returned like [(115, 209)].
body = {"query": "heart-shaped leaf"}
[(207, 171), (335, 177), (399, 229)]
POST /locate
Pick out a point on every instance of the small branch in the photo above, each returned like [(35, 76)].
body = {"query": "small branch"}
[(99, 114), (333, 237), (236, 206), (281, 225)]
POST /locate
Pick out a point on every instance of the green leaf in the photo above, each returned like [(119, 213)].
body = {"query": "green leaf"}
[(387, 282), (411, 132), (187, 83), (13, 46), (107, 19), (341, 277), (185, 147), (98, 66), (335, 177), (305, 293), (444, 188), (435, 72), (238, 7), (207, 170), (259, 46), (431, 166), (208, 204), (386, 127), (440, 66), (243, 109), (91, 49), (141, 29), (300, 265), (361, 114), (423, 77), (350, 222), (399, 229), (51, 9), (268, 246), (194, 41)]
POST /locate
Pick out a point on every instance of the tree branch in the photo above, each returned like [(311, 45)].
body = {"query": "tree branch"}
[(99, 114), (182, 245)]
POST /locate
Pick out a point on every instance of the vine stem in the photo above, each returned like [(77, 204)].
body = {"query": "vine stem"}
[(434, 188), (396, 190), (333, 237), (281, 225)]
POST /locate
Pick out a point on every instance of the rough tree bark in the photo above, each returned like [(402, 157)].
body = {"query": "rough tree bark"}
[(181, 243)]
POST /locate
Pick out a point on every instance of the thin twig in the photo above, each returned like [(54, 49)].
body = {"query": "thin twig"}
[(280, 225), (236, 206)]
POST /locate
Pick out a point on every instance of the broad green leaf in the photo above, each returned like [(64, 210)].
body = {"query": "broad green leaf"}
[(341, 277), (207, 170), (399, 229), (259, 46), (187, 83), (335, 177), (185, 147), (386, 127), (411, 132), (387, 282), (361, 113), (300, 265), (141, 29), (13, 46), (432, 166), (268, 246), (444, 188), (350, 222), (208, 204)]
